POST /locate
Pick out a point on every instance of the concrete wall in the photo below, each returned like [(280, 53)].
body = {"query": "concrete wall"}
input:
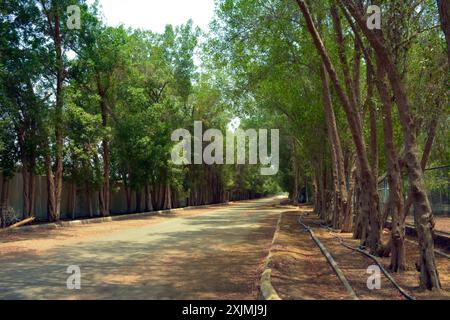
[(118, 199)]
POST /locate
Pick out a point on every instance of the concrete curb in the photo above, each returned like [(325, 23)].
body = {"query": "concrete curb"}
[(63, 224), (266, 290)]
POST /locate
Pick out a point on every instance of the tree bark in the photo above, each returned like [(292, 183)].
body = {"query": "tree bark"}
[(138, 201), (347, 222), (295, 172), (423, 217), (58, 111), (128, 193), (337, 158), (431, 135), (89, 200), (444, 14), (26, 189), (51, 206), (106, 162), (4, 199), (54, 188), (398, 259), (74, 199), (373, 124), (316, 193), (371, 205), (167, 197), (148, 199)]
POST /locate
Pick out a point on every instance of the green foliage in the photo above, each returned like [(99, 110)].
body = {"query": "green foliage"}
[(132, 88)]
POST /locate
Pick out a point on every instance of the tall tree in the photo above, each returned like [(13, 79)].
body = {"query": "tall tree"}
[(423, 214), (444, 13), (369, 182), (52, 12)]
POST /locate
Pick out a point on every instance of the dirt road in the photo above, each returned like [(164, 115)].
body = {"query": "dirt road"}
[(213, 253)]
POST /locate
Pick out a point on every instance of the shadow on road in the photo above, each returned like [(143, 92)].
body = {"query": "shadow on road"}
[(211, 256)]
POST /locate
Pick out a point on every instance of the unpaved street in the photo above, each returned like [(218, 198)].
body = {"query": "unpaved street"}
[(213, 253)]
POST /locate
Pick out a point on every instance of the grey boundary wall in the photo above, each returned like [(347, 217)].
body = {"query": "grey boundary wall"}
[(118, 205), (118, 199)]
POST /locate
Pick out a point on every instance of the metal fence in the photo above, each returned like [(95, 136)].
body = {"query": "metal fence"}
[(437, 181)]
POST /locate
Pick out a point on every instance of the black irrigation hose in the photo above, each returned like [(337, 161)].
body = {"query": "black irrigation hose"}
[(331, 261), (386, 273), (437, 251)]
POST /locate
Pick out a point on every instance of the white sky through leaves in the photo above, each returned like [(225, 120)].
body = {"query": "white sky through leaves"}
[(155, 14)]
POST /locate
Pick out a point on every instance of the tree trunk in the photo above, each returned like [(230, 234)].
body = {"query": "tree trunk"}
[(28, 184), (398, 259), (128, 197), (316, 193), (5, 191), (51, 205), (332, 131), (167, 197), (431, 135), (31, 192), (444, 14), (74, 199), (26, 189), (341, 201), (371, 198), (4, 199), (106, 163), (295, 172), (161, 197), (58, 112), (89, 200), (373, 124), (55, 187), (138, 201), (423, 217), (347, 222), (361, 221), (101, 200), (148, 199)]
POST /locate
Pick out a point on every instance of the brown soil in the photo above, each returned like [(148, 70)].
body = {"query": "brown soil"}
[(216, 253), (299, 253), (410, 279), (354, 265), (299, 270)]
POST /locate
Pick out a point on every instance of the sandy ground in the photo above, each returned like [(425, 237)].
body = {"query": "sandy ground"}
[(41, 240), (213, 253), (300, 271), (410, 278)]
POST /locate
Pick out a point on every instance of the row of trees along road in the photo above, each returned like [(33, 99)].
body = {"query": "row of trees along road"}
[(379, 98), (93, 110)]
